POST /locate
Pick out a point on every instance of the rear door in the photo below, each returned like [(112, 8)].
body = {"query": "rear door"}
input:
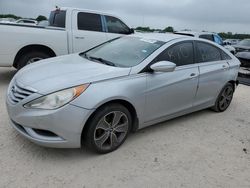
[(87, 30), (172, 92), (214, 72), (115, 27)]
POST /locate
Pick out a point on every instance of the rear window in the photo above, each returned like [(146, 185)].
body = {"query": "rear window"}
[(207, 36), (57, 18), (89, 21)]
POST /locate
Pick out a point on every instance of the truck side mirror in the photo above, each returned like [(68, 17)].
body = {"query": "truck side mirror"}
[(131, 31)]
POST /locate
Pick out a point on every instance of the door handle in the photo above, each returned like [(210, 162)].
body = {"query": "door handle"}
[(192, 76), (79, 37), (225, 67)]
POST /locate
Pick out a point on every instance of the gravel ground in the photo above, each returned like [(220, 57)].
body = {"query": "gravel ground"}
[(204, 149)]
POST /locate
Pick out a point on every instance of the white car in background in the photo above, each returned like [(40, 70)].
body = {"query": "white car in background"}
[(232, 41), (26, 22), (7, 20), (70, 30), (209, 36)]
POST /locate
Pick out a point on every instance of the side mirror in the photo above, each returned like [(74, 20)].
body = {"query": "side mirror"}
[(131, 31), (163, 66)]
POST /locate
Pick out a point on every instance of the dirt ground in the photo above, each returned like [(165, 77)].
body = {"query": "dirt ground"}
[(204, 149)]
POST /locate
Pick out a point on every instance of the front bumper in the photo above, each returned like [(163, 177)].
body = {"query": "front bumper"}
[(59, 128)]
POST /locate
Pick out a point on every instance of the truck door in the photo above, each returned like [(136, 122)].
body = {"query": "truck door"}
[(87, 31), (115, 27)]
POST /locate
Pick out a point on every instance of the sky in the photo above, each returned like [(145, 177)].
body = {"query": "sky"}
[(198, 15)]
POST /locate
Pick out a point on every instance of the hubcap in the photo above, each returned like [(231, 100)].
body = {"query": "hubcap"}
[(111, 130), (35, 59), (226, 98)]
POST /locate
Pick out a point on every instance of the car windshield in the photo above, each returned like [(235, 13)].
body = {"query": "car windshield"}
[(124, 52), (245, 42)]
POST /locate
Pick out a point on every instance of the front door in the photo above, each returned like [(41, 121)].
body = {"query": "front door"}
[(172, 92), (115, 27)]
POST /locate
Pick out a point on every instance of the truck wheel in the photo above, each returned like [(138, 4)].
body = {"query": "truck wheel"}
[(31, 57)]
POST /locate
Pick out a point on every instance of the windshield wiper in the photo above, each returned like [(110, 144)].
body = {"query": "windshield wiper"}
[(104, 61)]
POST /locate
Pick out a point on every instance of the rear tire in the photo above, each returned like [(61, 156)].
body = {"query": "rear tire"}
[(108, 128), (224, 99), (31, 57)]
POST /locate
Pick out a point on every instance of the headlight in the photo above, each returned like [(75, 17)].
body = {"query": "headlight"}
[(57, 99)]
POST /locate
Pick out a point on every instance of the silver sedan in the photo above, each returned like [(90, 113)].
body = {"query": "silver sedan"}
[(97, 97)]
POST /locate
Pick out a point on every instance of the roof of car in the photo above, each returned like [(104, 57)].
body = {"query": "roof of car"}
[(194, 33), (165, 37), (87, 10)]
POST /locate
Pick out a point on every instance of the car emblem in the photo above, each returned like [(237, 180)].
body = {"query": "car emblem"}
[(14, 89)]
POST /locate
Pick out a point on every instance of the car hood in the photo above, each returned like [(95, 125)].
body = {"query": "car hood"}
[(243, 55), (66, 71)]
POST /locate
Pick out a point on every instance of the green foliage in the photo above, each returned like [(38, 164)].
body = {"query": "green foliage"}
[(230, 35), (169, 29), (10, 16), (148, 29), (41, 18), (144, 29)]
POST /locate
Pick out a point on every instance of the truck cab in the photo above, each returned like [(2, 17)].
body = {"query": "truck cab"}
[(69, 30), (88, 28)]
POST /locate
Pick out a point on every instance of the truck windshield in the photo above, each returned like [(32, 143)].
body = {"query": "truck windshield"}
[(124, 52), (57, 18)]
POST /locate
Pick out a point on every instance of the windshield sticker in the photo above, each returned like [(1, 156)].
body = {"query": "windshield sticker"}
[(149, 41)]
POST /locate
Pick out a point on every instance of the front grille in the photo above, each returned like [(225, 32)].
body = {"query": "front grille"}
[(17, 93)]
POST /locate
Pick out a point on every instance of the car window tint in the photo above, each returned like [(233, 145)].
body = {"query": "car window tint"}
[(180, 54), (126, 51), (225, 56), (57, 18), (207, 52), (207, 36), (114, 25), (27, 21), (218, 40), (89, 21)]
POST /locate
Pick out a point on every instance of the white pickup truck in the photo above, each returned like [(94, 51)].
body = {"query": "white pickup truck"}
[(70, 30)]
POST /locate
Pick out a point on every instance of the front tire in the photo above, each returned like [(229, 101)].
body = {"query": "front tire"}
[(224, 99), (31, 57), (108, 128)]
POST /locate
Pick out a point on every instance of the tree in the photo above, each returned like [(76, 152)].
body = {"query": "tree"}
[(144, 29), (41, 18), (9, 16), (169, 29)]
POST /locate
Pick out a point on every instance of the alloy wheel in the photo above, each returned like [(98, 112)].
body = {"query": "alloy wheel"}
[(226, 97), (111, 130)]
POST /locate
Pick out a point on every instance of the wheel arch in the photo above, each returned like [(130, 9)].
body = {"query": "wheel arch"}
[(234, 83), (32, 47), (125, 103)]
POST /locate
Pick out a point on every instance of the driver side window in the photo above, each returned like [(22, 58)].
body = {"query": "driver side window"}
[(114, 25), (181, 54)]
